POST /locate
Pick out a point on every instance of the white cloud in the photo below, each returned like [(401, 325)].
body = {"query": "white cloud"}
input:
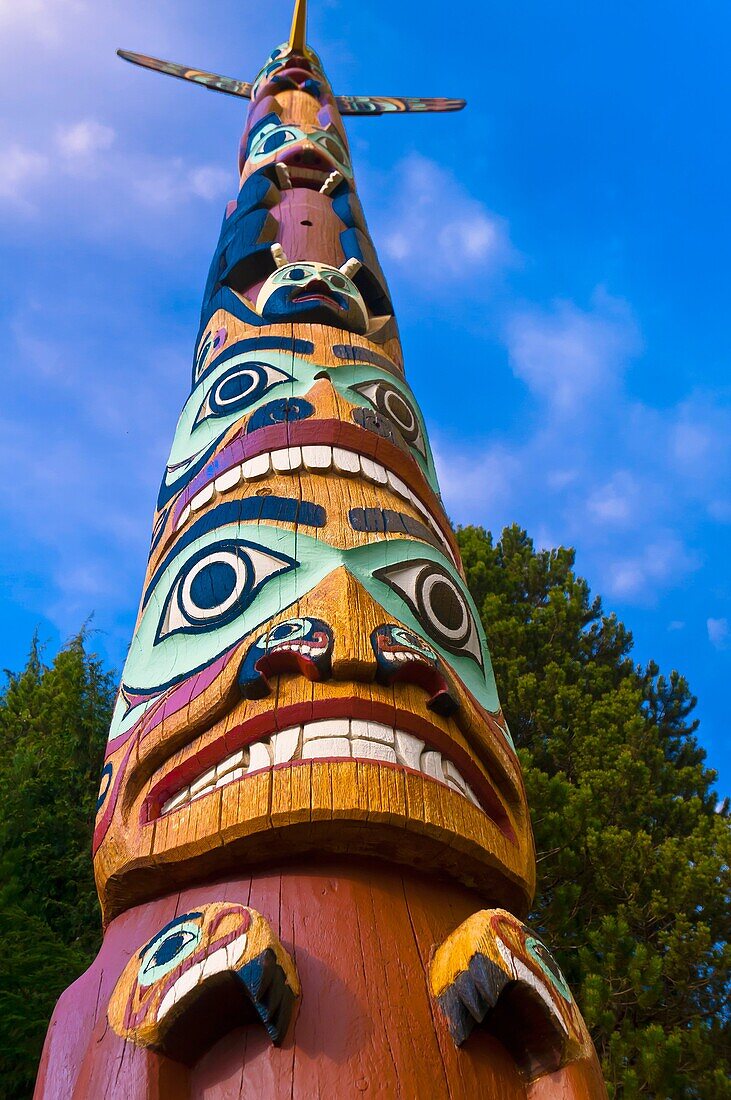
[(618, 501), (83, 138), (718, 632), (568, 356), (662, 562), (20, 170), (429, 226)]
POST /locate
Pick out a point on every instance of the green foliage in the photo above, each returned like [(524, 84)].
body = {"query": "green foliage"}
[(53, 725), (633, 852)]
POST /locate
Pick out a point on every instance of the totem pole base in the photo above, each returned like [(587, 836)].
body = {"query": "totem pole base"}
[(361, 935)]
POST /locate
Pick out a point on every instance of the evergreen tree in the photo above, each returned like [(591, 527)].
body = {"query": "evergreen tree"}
[(53, 726), (633, 851)]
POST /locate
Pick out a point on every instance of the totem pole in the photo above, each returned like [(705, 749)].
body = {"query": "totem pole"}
[(313, 851)]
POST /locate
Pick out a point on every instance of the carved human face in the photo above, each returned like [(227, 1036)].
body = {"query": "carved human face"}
[(303, 508), (310, 291)]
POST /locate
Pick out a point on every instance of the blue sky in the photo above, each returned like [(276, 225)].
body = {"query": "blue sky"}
[(572, 366)]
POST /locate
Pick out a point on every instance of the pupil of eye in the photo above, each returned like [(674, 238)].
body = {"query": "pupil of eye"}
[(338, 281), (213, 585), (446, 605), (169, 948), (275, 140), (284, 632), (297, 273), (398, 410), (237, 386)]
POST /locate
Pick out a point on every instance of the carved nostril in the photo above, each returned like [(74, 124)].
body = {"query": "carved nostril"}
[(282, 411)]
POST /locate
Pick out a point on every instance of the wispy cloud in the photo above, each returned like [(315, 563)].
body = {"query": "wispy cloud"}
[(568, 356), (428, 223), (718, 632)]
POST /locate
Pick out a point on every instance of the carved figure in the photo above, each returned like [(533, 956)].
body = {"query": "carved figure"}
[(310, 788)]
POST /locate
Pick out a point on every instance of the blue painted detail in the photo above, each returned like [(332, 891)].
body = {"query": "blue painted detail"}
[(268, 120), (281, 411), (281, 509), (104, 785)]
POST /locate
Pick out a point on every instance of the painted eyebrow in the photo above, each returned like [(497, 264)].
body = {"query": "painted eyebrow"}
[(168, 926), (260, 343), (284, 509), (356, 354)]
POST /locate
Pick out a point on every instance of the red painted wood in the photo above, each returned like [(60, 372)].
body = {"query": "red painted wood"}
[(361, 935)]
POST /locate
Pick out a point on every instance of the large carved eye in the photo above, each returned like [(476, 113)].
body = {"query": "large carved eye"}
[(271, 138), (438, 603), (169, 948), (390, 402), (238, 388), (217, 585)]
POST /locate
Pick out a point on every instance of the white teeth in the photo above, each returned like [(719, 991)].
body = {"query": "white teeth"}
[(317, 458), (346, 462), (331, 182), (259, 756), (184, 516), (431, 764), (202, 497), (255, 467), (205, 780), (373, 750), (290, 458), (330, 738), (373, 470), (228, 480), (285, 744), (327, 746), (372, 731), (335, 727), (283, 176), (408, 749)]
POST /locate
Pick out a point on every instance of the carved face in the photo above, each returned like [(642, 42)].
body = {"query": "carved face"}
[(276, 65), (492, 970), (260, 555), (162, 998), (310, 291), (309, 154)]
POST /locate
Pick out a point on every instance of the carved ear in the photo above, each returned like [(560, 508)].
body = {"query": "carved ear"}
[(279, 255), (351, 267)]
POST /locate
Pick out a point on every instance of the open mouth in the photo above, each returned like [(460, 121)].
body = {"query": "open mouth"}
[(319, 298), (329, 739), (314, 455), (398, 739)]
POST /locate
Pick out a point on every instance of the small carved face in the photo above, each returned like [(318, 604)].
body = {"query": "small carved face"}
[(316, 292), (223, 953), (271, 140), (166, 972), (279, 60)]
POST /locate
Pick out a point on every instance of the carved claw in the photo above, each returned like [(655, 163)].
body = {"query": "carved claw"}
[(494, 972)]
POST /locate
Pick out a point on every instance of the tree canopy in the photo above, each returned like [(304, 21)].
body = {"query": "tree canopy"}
[(633, 847)]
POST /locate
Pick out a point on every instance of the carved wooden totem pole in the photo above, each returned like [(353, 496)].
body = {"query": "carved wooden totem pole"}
[(313, 849)]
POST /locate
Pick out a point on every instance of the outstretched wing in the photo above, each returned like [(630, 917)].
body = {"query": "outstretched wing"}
[(380, 105), (214, 81)]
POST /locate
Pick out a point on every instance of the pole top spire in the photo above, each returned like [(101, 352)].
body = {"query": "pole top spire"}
[(298, 30)]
